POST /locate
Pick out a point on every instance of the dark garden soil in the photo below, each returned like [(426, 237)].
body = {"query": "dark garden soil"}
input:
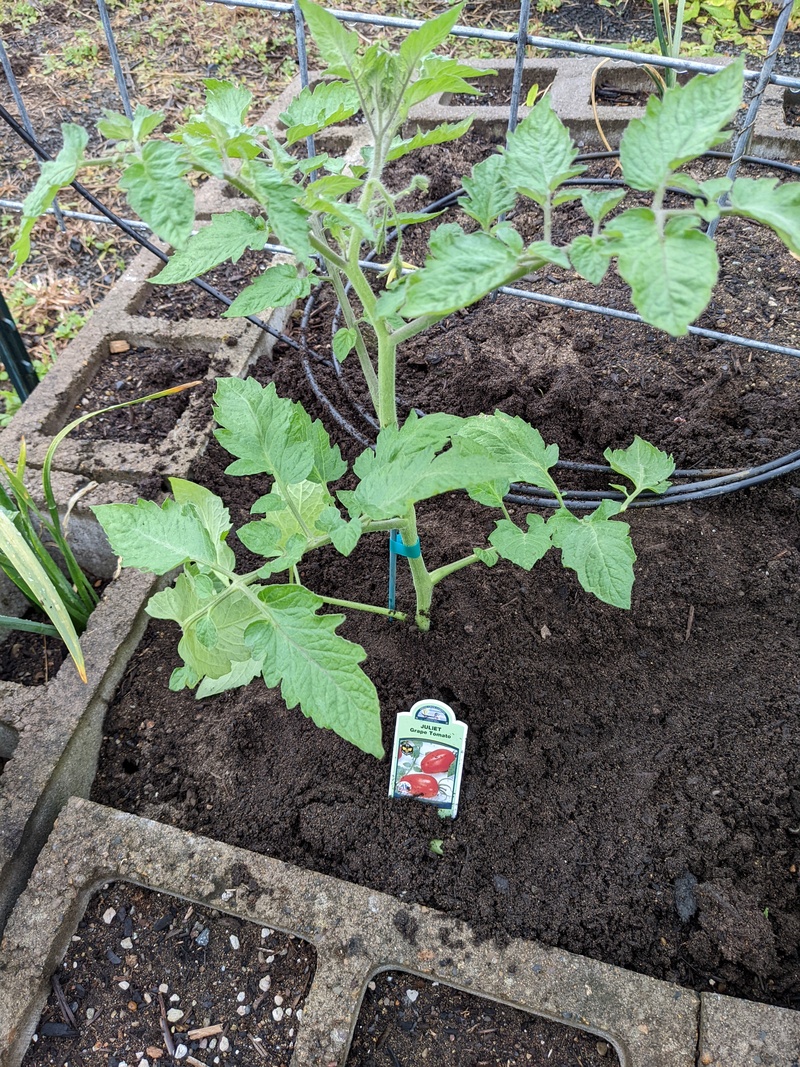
[(180, 302), (134, 373), (148, 975), (632, 786), (406, 1020), (30, 659)]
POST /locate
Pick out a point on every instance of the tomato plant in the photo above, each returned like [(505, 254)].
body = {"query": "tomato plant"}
[(266, 623)]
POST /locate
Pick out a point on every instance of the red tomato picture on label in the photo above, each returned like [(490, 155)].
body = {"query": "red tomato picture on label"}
[(418, 785), (438, 762)]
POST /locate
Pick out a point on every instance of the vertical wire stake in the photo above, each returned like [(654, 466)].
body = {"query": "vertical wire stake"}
[(114, 54), (26, 122), (743, 139), (519, 63), (302, 61)]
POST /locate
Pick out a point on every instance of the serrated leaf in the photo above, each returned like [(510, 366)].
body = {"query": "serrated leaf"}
[(487, 556), (156, 539), (590, 257), (337, 46), (544, 252), (344, 341), (405, 469), (401, 146), (490, 494), (226, 238), (671, 273), (55, 174), (115, 127), (683, 124), (227, 103), (145, 121), (278, 286), (314, 109), (241, 673), (278, 195), (430, 35), (643, 464), (315, 667), (157, 193), (773, 205), (600, 552), (333, 185), (267, 433), (488, 195), (303, 503), (522, 547), (597, 203), (182, 678), (462, 268), (213, 514), (515, 445), (441, 74), (344, 535), (540, 154)]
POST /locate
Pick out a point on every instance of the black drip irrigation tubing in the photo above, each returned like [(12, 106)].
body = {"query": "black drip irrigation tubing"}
[(719, 483)]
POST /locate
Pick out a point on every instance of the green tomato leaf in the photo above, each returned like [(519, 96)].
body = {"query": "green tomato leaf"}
[(241, 673), (488, 195), (157, 539), (540, 154), (590, 257), (515, 445), (773, 205), (525, 548), (429, 36), (440, 74), (400, 146), (55, 174), (544, 252), (278, 195), (227, 237), (157, 193), (314, 109), (671, 273), (682, 125), (487, 556), (344, 535), (597, 203), (145, 121), (227, 103), (115, 127), (643, 464), (315, 667), (337, 46), (302, 505), (462, 268), (213, 514), (277, 287), (344, 341), (600, 552)]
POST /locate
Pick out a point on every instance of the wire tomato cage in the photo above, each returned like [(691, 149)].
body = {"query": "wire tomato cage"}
[(694, 484)]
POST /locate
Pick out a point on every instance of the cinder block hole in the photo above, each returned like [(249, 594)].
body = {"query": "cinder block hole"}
[(8, 742), (408, 1019), (626, 86), (496, 88), (142, 965), (791, 107)]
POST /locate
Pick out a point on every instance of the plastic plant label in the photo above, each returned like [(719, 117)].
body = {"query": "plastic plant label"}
[(428, 757)]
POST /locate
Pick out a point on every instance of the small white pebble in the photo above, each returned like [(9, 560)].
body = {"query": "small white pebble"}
[(174, 998), (89, 1014), (163, 988), (234, 942), (270, 959), (288, 1011), (224, 1044), (148, 999), (126, 943), (291, 1032), (124, 985), (174, 1015), (299, 1014), (144, 1062), (412, 994), (243, 1009), (240, 997), (109, 915), (265, 983), (265, 933), (180, 1052), (277, 1014), (278, 999), (371, 986)]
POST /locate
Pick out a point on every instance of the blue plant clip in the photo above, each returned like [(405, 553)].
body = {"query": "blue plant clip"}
[(397, 548)]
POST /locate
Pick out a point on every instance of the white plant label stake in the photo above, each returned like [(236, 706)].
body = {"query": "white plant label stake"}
[(428, 756)]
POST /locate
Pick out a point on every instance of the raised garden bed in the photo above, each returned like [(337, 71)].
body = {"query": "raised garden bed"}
[(661, 853)]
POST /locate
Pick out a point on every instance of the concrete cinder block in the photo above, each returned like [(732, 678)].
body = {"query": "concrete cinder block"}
[(773, 137), (50, 734), (356, 932), (738, 1033)]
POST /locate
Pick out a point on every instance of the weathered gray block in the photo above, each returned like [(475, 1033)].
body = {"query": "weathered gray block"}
[(737, 1033), (773, 136), (356, 932), (50, 734)]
